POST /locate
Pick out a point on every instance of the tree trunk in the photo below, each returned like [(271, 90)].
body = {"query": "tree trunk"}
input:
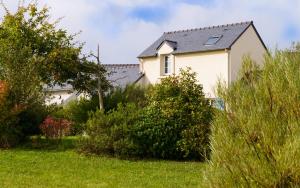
[(100, 91), (100, 95)]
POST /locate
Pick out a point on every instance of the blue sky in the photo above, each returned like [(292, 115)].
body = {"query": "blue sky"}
[(124, 28)]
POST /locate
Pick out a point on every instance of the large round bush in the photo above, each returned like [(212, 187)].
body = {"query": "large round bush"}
[(176, 122)]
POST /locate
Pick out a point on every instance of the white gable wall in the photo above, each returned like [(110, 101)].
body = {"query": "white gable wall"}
[(165, 49), (247, 44), (151, 67), (209, 66)]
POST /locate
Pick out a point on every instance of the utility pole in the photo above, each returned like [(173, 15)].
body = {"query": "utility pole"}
[(99, 86)]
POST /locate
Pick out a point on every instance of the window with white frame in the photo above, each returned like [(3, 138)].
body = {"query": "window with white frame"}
[(167, 66)]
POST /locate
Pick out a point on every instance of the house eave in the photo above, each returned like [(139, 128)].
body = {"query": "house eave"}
[(190, 52), (58, 90), (147, 56)]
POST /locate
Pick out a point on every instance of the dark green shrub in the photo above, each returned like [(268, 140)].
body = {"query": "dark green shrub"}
[(176, 122), (31, 118), (109, 133), (130, 94), (256, 140), (174, 125), (10, 131), (17, 123)]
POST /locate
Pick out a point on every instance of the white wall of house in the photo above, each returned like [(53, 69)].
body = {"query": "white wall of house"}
[(57, 97), (209, 66), (247, 45), (165, 49), (152, 68)]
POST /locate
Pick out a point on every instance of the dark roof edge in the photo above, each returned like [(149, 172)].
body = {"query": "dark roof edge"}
[(139, 78), (179, 53), (148, 56), (165, 41), (261, 40), (57, 89), (199, 51), (208, 27), (119, 65), (255, 30)]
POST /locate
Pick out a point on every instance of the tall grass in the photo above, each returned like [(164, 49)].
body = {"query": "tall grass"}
[(256, 140)]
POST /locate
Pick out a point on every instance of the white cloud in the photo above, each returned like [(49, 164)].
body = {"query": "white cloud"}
[(134, 3), (123, 37)]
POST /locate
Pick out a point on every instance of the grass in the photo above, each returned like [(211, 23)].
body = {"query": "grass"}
[(31, 166)]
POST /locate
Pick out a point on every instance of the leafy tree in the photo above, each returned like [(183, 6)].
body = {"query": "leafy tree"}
[(31, 45), (33, 52)]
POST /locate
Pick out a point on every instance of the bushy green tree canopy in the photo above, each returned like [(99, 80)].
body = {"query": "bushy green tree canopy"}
[(32, 49)]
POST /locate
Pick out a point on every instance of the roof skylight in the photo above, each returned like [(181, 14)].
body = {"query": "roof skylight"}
[(213, 40)]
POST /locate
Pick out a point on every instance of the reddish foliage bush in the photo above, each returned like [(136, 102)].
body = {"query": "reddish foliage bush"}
[(55, 128)]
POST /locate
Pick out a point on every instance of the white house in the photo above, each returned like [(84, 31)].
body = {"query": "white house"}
[(59, 94), (214, 53)]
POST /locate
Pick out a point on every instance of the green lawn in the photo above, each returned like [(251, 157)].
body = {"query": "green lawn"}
[(63, 167)]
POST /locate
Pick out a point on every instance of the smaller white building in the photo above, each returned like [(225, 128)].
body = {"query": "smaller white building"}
[(119, 75), (60, 95)]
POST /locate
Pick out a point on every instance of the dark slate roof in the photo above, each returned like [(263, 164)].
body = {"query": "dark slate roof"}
[(194, 40), (122, 74)]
